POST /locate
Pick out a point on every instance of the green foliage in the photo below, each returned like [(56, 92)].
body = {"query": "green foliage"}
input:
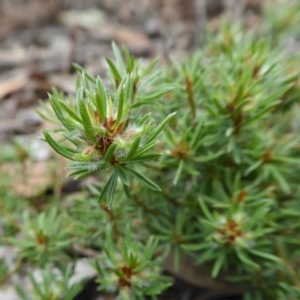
[(283, 18), (43, 237), (221, 186), (53, 285), (3, 270), (103, 129), (130, 269), (226, 168)]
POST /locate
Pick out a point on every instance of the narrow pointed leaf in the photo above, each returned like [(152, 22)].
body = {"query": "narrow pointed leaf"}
[(133, 148), (109, 189), (245, 259), (129, 60), (112, 189), (114, 71), (160, 127), (123, 176), (62, 150), (197, 135), (70, 111), (86, 122), (110, 152), (265, 255), (178, 172), (205, 210), (142, 158), (218, 265), (81, 70), (59, 113), (79, 174), (37, 287), (120, 104), (143, 179), (100, 100), (146, 148), (154, 95), (118, 56)]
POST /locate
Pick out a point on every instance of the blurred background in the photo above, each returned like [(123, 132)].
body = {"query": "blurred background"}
[(39, 41)]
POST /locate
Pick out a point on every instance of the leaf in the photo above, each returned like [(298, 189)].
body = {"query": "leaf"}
[(79, 174), (86, 122), (82, 71), (149, 68), (284, 185), (36, 286), (197, 135), (144, 179), (128, 90), (208, 157), (62, 150), (100, 271), (20, 291), (142, 158), (253, 167), (266, 255), (160, 127), (154, 95), (129, 60), (58, 111), (194, 247), (177, 258), (219, 262), (120, 103), (178, 172), (112, 189), (246, 260), (100, 99), (110, 152), (118, 56), (133, 148), (122, 175), (109, 189), (70, 111), (114, 71), (205, 210), (146, 148)]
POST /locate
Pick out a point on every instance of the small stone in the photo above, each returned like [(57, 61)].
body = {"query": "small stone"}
[(152, 28)]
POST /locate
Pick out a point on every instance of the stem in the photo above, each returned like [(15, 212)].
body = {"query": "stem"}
[(112, 218), (144, 206), (169, 199)]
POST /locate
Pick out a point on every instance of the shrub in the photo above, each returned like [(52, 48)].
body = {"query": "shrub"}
[(199, 159)]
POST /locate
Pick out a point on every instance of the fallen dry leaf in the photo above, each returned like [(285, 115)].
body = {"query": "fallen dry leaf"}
[(87, 19), (13, 84), (31, 13), (33, 177), (137, 41)]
